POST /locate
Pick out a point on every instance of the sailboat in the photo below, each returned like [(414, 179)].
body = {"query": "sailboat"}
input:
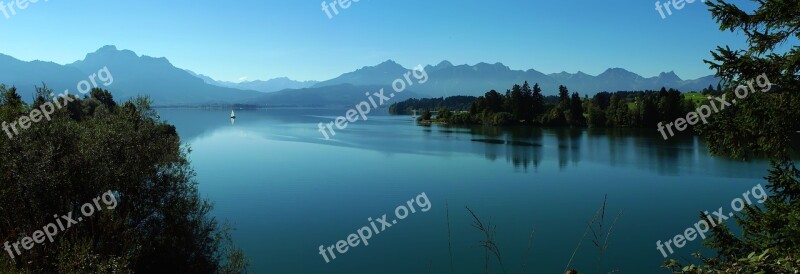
[(233, 115)]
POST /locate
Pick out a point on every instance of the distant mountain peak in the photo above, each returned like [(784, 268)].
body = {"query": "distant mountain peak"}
[(671, 76), (389, 62), (444, 64), (168, 85), (111, 51), (671, 72), (486, 66), (617, 70), (107, 48), (567, 76), (271, 85), (7, 58), (386, 65), (619, 73)]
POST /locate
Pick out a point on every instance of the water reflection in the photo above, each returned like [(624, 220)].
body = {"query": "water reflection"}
[(526, 149), (272, 173)]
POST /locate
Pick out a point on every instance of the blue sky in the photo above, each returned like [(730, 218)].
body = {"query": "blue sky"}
[(230, 40)]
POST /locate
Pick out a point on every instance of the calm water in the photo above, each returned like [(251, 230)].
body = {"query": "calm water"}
[(288, 191)]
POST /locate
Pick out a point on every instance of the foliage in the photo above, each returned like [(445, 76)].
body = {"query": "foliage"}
[(461, 118), (638, 109), (455, 103), (763, 123), (426, 116), (444, 114), (501, 119), (525, 105), (91, 146)]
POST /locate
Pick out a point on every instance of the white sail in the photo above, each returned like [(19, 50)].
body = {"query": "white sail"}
[(233, 114)]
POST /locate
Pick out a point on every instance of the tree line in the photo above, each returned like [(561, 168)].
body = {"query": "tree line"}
[(455, 103), (526, 105), (92, 145)]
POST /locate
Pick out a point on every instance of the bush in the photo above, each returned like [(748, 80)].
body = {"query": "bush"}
[(91, 146), (444, 114), (502, 119), (426, 116), (461, 119)]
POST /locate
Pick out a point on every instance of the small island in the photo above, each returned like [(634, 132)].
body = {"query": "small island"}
[(527, 106)]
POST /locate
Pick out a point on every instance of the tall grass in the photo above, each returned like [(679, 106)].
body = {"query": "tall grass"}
[(528, 253), (488, 243), (600, 236), (449, 238)]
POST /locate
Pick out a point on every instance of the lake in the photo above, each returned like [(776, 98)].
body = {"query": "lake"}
[(287, 191)]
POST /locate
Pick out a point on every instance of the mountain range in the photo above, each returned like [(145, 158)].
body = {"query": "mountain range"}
[(133, 75), (271, 85), (168, 85), (447, 79)]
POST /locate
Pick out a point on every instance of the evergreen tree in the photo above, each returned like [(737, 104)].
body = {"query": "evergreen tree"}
[(597, 117), (563, 96), (762, 123), (494, 101), (526, 106), (709, 90), (516, 104), (648, 111), (537, 101), (611, 112), (12, 102), (576, 111)]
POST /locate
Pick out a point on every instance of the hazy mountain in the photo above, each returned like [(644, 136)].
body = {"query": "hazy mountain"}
[(271, 85), (447, 79), (444, 78), (382, 74), (26, 75), (275, 84), (133, 75), (168, 85), (157, 78), (336, 95), (206, 79)]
